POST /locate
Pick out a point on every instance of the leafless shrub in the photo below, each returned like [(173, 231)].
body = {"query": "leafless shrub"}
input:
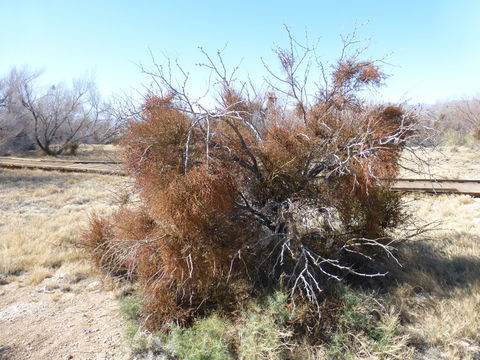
[(15, 129), (469, 112), (56, 116), (453, 121)]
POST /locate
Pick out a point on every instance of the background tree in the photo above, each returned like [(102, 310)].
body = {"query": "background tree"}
[(469, 112), (15, 127), (453, 121), (61, 115)]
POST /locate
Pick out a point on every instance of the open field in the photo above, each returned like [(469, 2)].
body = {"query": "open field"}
[(82, 166), (42, 215), (53, 306), (441, 293), (85, 152), (97, 152), (445, 162)]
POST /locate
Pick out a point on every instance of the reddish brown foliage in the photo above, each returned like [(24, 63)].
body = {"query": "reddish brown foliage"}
[(113, 241), (250, 195)]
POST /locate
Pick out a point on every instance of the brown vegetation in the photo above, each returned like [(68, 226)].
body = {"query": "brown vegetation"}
[(253, 194)]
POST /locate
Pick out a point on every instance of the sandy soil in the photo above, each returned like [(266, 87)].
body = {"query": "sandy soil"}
[(51, 305), (59, 320)]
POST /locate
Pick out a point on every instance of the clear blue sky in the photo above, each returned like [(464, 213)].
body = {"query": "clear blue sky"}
[(434, 46)]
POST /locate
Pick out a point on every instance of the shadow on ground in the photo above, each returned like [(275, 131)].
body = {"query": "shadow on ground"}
[(6, 353), (426, 265)]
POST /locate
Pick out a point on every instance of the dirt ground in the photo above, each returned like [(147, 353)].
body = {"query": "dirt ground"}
[(51, 304), (59, 320)]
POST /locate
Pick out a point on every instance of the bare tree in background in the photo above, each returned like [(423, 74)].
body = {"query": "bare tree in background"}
[(469, 111), (15, 134), (61, 115)]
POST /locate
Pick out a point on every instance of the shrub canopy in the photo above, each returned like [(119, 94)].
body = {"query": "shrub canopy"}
[(257, 192)]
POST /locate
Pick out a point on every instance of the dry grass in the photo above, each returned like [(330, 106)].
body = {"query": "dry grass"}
[(40, 273), (440, 297), (97, 152), (42, 215), (445, 162), (86, 152)]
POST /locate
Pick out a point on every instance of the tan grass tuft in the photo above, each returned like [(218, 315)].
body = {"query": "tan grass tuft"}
[(38, 274), (50, 211)]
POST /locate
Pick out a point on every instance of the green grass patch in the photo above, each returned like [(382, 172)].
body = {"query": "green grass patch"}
[(206, 339), (365, 329)]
